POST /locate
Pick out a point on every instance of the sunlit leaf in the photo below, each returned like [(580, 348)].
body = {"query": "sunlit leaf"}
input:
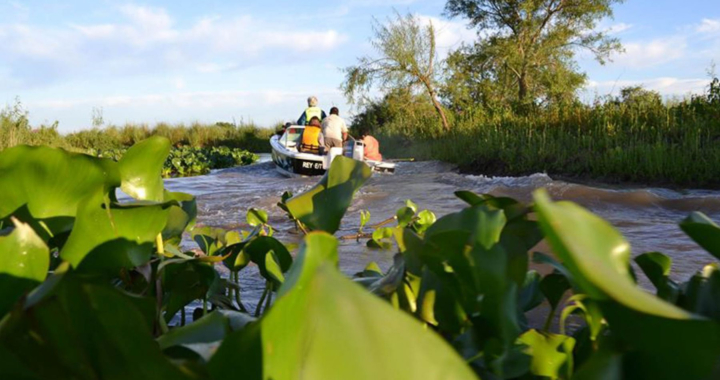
[(256, 217), (321, 296), (597, 255), (703, 231), (118, 236), (549, 352), (50, 181), (24, 263), (140, 168), (323, 206)]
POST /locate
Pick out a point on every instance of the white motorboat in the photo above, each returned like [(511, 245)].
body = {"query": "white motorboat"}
[(291, 162)]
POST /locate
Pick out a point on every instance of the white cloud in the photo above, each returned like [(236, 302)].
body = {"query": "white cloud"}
[(652, 53), (666, 86), (146, 40), (708, 26)]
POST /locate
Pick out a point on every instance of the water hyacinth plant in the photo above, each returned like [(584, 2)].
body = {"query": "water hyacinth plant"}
[(189, 161), (92, 287)]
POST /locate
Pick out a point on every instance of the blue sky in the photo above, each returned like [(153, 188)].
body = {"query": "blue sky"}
[(207, 61)]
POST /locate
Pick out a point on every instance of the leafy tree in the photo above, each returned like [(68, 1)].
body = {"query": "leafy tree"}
[(407, 60), (637, 96), (530, 45)]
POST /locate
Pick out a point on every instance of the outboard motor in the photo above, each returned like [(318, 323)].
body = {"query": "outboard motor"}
[(358, 151), (334, 152)]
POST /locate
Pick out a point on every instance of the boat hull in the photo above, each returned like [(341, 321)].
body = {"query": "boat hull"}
[(292, 164)]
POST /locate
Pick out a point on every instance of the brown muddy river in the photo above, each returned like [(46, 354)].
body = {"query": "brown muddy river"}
[(647, 217)]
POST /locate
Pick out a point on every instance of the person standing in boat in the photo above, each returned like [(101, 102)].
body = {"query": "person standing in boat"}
[(334, 130), (312, 140), (312, 111)]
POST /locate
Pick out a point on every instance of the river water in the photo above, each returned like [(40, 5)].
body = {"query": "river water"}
[(647, 217)]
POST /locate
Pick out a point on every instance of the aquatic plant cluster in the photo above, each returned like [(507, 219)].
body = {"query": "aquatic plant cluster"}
[(189, 161), (92, 287)]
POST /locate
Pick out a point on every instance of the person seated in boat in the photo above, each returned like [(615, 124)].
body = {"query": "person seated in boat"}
[(282, 129), (312, 111), (371, 147), (334, 130), (312, 140)]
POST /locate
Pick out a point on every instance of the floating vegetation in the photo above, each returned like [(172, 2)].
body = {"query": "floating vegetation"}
[(191, 161)]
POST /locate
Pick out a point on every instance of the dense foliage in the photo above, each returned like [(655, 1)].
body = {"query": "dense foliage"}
[(187, 161), (527, 53), (91, 286), (634, 137)]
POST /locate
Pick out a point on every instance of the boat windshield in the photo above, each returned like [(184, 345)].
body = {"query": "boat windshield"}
[(291, 137)]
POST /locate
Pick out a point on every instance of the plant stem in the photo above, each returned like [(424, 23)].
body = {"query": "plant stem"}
[(548, 320), (204, 306), (160, 245), (182, 316), (262, 299), (269, 299), (237, 293)]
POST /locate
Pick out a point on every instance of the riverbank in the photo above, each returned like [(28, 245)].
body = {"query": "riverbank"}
[(659, 165), (15, 129)]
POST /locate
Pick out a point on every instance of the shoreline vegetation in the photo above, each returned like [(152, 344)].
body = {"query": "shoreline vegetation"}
[(633, 139), (508, 103), (15, 129)]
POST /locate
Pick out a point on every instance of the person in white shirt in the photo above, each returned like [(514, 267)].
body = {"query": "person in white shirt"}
[(334, 130)]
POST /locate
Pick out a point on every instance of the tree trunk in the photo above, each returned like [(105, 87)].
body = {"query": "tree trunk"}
[(441, 112), (522, 88), (437, 105)]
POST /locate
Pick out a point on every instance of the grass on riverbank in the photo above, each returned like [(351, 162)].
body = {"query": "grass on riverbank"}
[(15, 129), (673, 144)]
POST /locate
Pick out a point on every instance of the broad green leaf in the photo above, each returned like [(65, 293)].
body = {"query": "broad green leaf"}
[(323, 206), (703, 231), (553, 287), (348, 314), (701, 293), (184, 281), (656, 267), (549, 352), (181, 218), (210, 328), (85, 331), (23, 254), (602, 365), (273, 268), (24, 263), (240, 351), (140, 169), (118, 236), (50, 181), (260, 247), (256, 217), (530, 295), (318, 248), (597, 256), (653, 343)]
